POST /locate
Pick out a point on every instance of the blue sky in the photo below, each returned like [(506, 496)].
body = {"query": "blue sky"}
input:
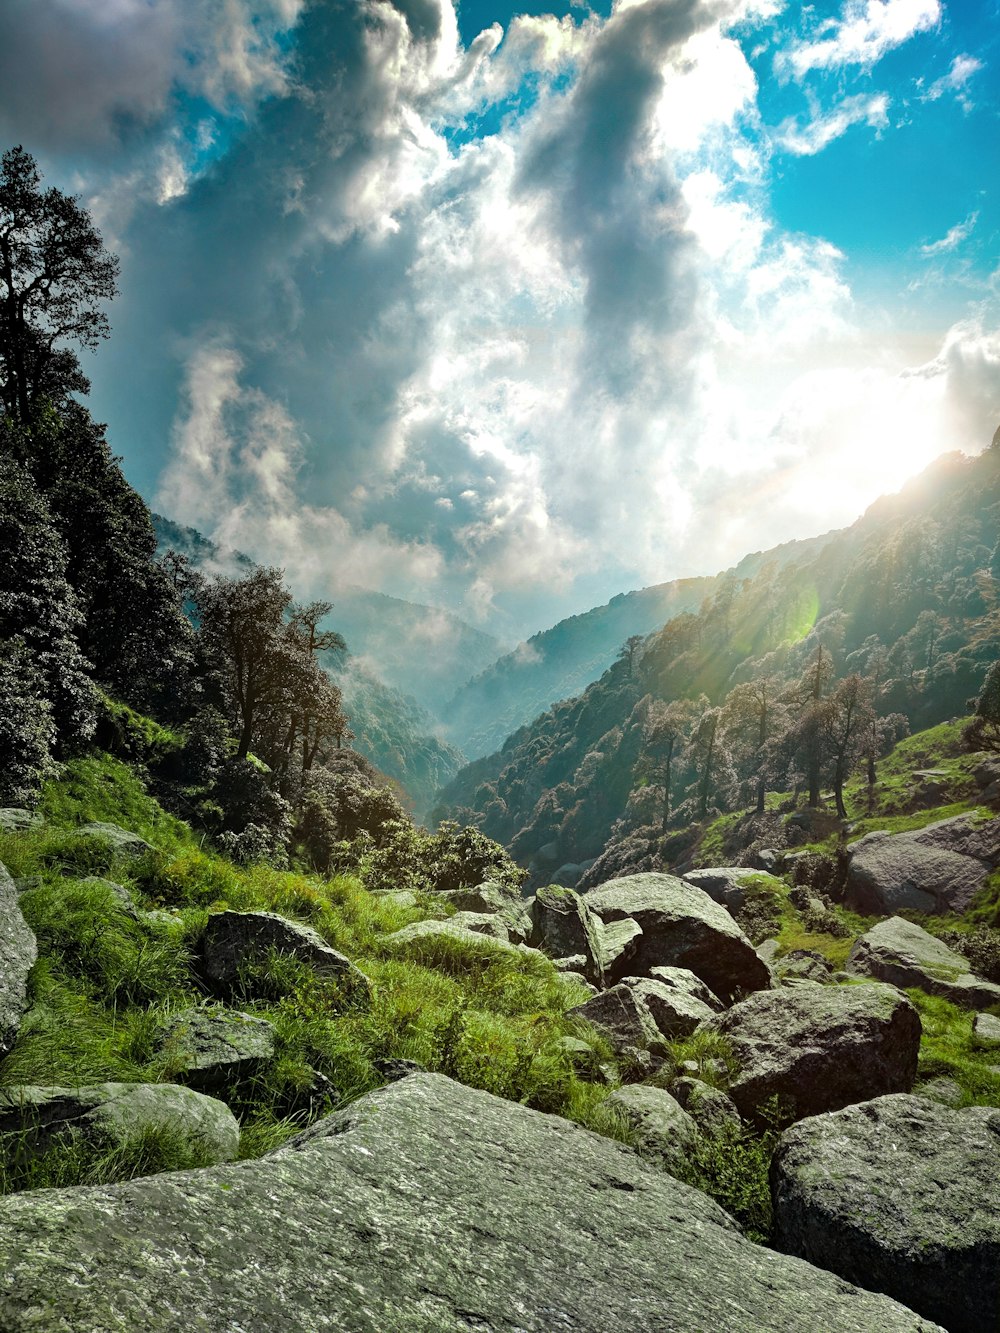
[(511, 309)]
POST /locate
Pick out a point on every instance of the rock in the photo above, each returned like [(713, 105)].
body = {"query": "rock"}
[(125, 845), (575, 982), (234, 941), (565, 926), (943, 1090), (682, 979), (723, 884), (639, 1015), (819, 1048), (677, 1009), (899, 1195), (936, 869), (482, 923), (392, 1070), (664, 1133), (584, 1059), (619, 941), (423, 1206), (122, 897), (802, 965), (398, 897), (15, 820), (986, 1030), (420, 936), (18, 951), (903, 954), (767, 951), (710, 1109), (214, 1049), (683, 927), (110, 1114), (490, 896)]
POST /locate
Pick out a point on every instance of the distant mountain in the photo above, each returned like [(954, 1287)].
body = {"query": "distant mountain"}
[(558, 663), (423, 651), (391, 728), (908, 596)]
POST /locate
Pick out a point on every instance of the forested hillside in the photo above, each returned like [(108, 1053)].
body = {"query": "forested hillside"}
[(388, 727), (558, 663), (787, 678)]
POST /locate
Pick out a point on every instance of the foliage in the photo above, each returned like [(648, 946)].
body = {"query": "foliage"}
[(983, 732), (732, 1166), (409, 857)]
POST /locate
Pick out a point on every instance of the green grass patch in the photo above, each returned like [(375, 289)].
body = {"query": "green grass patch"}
[(948, 1050), (99, 788)]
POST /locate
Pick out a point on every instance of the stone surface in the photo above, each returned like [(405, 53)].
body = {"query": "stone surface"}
[(986, 1030), (710, 1109), (935, 869), (677, 1010), (664, 1132), (491, 896), (819, 1048), (425, 1207), (943, 1090), (722, 883), (15, 820), (112, 1113), (422, 934), (213, 1049), (683, 979), (482, 923), (233, 941), (624, 1017), (903, 954), (565, 926), (802, 965), (18, 951), (619, 942), (128, 846), (901, 1196), (682, 927)]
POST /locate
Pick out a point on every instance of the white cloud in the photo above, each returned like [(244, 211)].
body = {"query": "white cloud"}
[(823, 129), (866, 31), (963, 67), (952, 239)]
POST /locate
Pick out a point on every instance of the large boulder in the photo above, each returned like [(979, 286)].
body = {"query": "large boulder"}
[(564, 926), (682, 927), (18, 951), (639, 1016), (421, 936), (819, 1048), (214, 1049), (901, 953), (235, 942), (619, 941), (899, 1195), (724, 884), (111, 1114), (14, 819), (121, 843), (935, 869), (663, 1132), (424, 1206)]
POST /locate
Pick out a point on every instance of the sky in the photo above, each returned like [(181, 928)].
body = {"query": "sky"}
[(509, 309)]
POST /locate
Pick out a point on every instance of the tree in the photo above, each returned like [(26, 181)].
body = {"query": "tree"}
[(664, 734), (983, 732), (753, 716), (628, 650), (54, 274)]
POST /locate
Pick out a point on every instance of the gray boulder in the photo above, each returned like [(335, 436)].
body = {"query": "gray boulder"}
[(424, 1206), (639, 1016), (125, 845), (682, 927), (422, 935), (213, 1049), (986, 1031), (491, 896), (18, 951), (901, 953), (619, 942), (710, 1109), (663, 1131), (232, 942), (724, 884), (819, 1048), (802, 965), (935, 869), (683, 979), (15, 820), (482, 923), (901, 1196), (111, 1114), (564, 926)]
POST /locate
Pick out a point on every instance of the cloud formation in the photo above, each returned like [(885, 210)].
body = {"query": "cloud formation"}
[(508, 325)]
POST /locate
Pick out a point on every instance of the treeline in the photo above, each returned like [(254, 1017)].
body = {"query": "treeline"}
[(792, 680), (214, 685)]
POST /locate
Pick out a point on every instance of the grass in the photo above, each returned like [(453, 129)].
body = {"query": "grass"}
[(948, 1050), (117, 962)]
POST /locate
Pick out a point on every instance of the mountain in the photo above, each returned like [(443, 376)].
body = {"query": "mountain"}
[(905, 594), (422, 651), (392, 729), (558, 663)]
